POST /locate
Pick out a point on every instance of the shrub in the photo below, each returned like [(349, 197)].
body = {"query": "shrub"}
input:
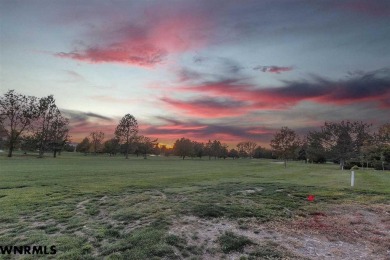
[(232, 242)]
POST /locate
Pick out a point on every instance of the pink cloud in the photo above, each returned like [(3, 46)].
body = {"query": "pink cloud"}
[(141, 55), (171, 130), (147, 41)]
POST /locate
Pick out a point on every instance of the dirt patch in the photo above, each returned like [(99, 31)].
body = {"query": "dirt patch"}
[(365, 228), (248, 191), (340, 232), (80, 207)]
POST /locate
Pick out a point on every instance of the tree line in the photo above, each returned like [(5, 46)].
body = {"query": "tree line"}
[(347, 143), (184, 147), (126, 141), (36, 124)]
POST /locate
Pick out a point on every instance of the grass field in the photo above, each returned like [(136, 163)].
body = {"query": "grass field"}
[(93, 207)]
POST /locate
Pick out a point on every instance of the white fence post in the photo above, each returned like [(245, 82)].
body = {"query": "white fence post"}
[(352, 178)]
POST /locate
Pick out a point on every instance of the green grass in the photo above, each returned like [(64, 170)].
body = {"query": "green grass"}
[(231, 242), (100, 206)]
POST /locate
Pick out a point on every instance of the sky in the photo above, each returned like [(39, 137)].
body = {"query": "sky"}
[(226, 70)]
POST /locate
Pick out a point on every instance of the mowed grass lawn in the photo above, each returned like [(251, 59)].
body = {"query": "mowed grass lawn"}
[(108, 207)]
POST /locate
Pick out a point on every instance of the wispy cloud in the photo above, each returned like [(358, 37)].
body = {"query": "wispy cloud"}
[(273, 69), (83, 123), (208, 107), (79, 116), (369, 87), (74, 76), (174, 129)]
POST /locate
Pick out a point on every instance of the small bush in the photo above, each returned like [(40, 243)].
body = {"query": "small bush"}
[(176, 241), (231, 242), (208, 211), (355, 167)]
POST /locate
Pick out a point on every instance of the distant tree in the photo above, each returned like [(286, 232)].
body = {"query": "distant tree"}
[(17, 114), (146, 145), (343, 141), (112, 146), (208, 148), (48, 112), (250, 148), (382, 145), (233, 153), (96, 141), (241, 150), (383, 135), (247, 148), (3, 137), (164, 150), (284, 143), (369, 153), (199, 149), (315, 151), (183, 147), (224, 152), (84, 146), (69, 147), (261, 152), (126, 132), (156, 148), (301, 152), (216, 149), (58, 133)]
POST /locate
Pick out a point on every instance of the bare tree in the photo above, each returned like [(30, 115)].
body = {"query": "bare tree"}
[(17, 113), (96, 141), (126, 131), (241, 150), (247, 148)]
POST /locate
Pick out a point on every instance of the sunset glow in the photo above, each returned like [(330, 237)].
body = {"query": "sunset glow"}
[(227, 70)]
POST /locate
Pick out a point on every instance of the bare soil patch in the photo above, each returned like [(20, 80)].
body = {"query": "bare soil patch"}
[(338, 232)]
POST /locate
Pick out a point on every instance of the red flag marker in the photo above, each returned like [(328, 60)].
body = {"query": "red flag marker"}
[(310, 198)]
